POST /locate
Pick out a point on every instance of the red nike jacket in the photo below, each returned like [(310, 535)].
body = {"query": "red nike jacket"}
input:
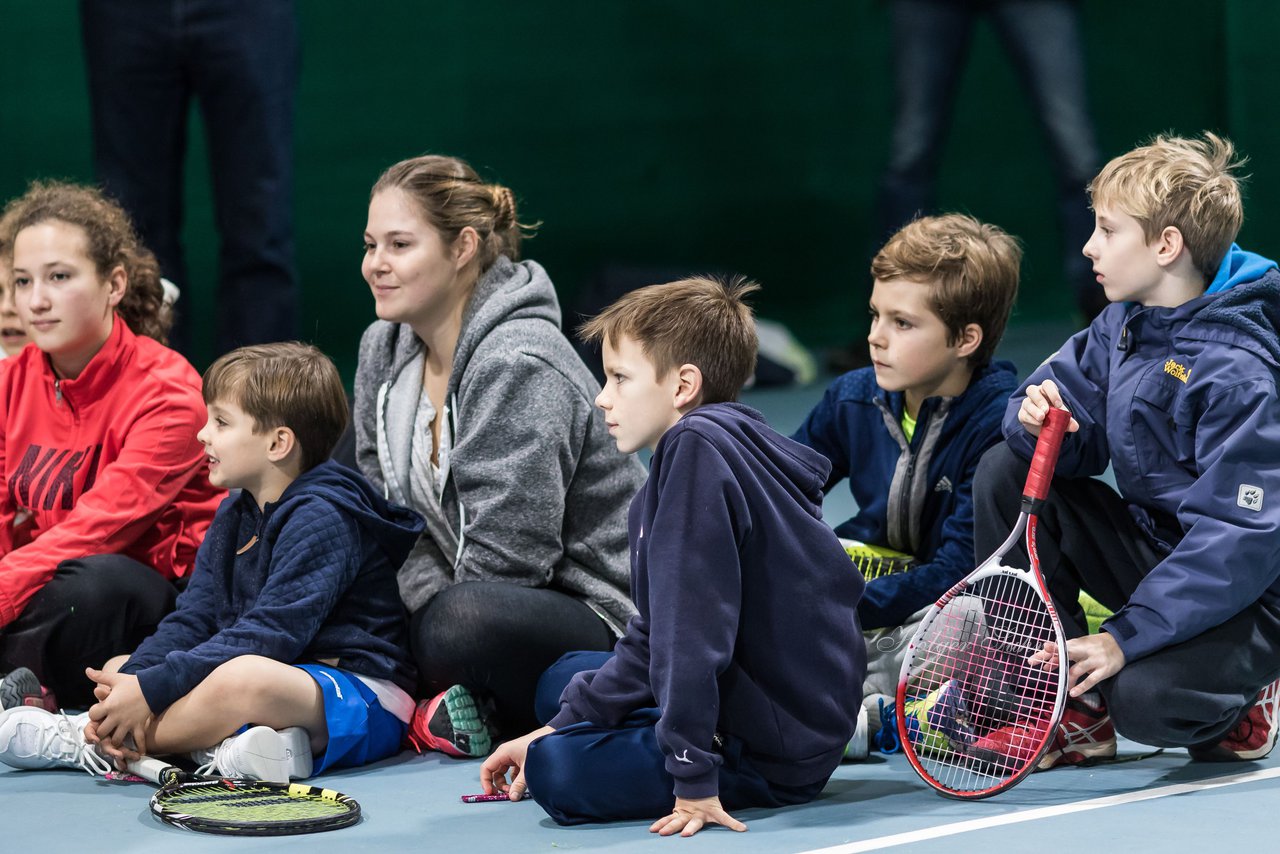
[(106, 463)]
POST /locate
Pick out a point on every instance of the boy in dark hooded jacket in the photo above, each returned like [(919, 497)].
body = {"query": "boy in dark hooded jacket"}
[(737, 684), (1174, 386)]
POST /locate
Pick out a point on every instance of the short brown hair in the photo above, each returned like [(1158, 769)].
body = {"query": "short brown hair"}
[(111, 242), (1185, 183), (700, 321), (971, 267), (284, 385)]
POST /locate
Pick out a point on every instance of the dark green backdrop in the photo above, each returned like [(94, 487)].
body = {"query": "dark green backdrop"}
[(704, 133)]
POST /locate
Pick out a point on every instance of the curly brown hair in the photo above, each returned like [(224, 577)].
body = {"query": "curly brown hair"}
[(112, 242)]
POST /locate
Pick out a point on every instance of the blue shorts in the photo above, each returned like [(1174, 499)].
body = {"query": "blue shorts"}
[(360, 730)]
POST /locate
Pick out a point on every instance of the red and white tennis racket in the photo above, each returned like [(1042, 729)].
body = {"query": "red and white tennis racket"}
[(974, 713)]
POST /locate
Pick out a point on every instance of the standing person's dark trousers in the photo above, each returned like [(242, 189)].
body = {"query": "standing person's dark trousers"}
[(146, 60), (1042, 37), (1192, 693), (93, 608)]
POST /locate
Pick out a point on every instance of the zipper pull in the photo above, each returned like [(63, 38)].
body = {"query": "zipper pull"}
[(1123, 343)]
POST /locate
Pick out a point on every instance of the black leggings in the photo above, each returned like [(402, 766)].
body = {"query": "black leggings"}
[(497, 639), (93, 608)]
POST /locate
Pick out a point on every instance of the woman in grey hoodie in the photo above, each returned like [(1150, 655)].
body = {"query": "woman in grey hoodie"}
[(473, 409)]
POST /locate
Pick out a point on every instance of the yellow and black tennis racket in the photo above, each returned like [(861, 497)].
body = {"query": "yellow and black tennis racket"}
[(875, 561), (235, 807)]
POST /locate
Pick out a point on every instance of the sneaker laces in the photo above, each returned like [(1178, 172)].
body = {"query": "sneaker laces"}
[(221, 761), (66, 743), (208, 768)]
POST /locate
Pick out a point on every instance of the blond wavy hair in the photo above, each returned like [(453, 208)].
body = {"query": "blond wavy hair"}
[(1189, 184)]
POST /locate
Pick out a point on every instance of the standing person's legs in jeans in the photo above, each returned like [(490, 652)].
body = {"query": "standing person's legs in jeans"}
[(92, 609), (139, 95), (930, 40), (1043, 39), (497, 639), (239, 58), (244, 72)]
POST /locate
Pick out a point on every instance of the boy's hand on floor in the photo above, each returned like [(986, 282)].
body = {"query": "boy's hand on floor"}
[(510, 756), (692, 814), (123, 713), (1036, 405)]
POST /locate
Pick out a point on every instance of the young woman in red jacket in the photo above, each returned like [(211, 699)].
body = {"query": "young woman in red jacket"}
[(105, 495)]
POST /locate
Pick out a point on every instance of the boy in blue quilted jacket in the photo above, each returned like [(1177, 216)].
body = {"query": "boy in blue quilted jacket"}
[(286, 653)]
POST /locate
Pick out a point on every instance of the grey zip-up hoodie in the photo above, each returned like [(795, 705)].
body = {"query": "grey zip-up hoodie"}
[(537, 492)]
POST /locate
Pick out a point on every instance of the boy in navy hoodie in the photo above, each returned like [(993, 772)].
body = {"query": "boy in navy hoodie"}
[(1175, 386), (908, 431), (286, 654), (738, 682)]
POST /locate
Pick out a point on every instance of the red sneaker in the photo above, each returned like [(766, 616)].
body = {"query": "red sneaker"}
[(1085, 735), (1252, 738), (453, 723), (1009, 747)]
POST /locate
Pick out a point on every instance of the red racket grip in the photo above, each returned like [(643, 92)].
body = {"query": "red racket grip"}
[(1045, 459)]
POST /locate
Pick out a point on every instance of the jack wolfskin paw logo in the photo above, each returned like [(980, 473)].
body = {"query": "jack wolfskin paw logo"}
[(1249, 497)]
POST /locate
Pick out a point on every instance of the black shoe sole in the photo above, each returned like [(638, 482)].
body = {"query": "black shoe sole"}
[(17, 686)]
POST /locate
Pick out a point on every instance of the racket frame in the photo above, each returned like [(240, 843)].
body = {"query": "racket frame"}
[(1039, 477), (171, 779)]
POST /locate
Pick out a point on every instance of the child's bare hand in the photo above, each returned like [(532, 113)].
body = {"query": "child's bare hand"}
[(510, 756), (1036, 405), (1046, 658), (1093, 658), (123, 714), (692, 814)]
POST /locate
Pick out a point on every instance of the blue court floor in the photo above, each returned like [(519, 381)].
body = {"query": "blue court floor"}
[(1164, 803), (1158, 803)]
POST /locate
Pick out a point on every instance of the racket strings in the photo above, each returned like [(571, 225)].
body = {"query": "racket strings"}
[(215, 801), (878, 565), (977, 711)]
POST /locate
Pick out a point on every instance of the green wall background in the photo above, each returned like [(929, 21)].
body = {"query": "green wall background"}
[(707, 134)]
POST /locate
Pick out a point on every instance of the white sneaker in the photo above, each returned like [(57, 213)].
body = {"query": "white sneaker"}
[(34, 739), (259, 753), (860, 745)]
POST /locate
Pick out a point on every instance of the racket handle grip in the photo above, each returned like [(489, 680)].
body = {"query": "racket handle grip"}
[(1045, 459), (149, 769)]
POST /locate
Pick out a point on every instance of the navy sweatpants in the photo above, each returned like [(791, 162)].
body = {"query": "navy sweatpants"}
[(585, 772)]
